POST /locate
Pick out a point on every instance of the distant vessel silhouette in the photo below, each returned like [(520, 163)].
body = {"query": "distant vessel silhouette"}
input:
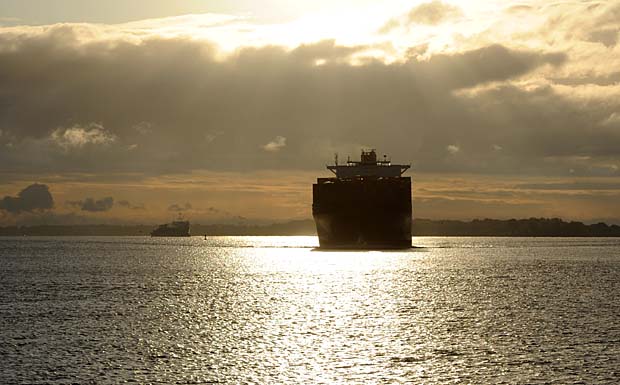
[(366, 206), (173, 229)]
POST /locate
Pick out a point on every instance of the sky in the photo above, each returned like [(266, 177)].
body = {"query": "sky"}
[(137, 112)]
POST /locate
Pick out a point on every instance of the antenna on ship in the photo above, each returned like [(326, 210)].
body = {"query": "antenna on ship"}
[(336, 159)]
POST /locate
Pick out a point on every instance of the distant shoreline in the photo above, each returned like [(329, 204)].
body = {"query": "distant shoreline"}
[(532, 227)]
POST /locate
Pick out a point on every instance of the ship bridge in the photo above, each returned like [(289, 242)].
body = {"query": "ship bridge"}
[(368, 166)]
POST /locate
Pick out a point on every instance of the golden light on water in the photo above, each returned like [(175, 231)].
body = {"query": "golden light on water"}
[(302, 254), (322, 304)]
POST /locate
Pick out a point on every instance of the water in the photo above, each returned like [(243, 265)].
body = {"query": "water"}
[(274, 310)]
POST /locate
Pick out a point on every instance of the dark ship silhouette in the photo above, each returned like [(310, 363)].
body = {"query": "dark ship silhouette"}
[(177, 228), (366, 206)]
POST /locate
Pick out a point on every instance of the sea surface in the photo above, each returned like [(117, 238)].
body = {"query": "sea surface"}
[(275, 310)]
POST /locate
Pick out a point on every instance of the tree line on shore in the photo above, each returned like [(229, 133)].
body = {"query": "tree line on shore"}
[(532, 227)]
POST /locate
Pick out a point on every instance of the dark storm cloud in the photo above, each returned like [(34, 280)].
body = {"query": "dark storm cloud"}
[(94, 205), (36, 197), (559, 132), (173, 105), (492, 63)]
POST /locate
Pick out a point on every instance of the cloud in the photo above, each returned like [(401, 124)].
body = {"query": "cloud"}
[(92, 205), (520, 8), (453, 149), (180, 208), (275, 145), (224, 214), (605, 36), (571, 186), (36, 197), (483, 65), (78, 137), (154, 99), (573, 23), (432, 13), (7, 21), (612, 120), (206, 215), (390, 25), (209, 111), (144, 128), (129, 205)]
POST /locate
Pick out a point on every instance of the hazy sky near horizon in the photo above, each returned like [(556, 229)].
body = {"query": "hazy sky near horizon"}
[(227, 111)]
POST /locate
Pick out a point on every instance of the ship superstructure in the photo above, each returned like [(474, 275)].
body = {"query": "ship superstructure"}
[(173, 229), (368, 166), (367, 205)]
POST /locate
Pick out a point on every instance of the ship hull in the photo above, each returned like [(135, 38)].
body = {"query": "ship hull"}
[(153, 234), (363, 213)]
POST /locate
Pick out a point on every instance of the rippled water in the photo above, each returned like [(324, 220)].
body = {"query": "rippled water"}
[(275, 310)]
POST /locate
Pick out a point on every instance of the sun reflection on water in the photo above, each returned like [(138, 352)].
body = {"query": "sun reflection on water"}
[(329, 312)]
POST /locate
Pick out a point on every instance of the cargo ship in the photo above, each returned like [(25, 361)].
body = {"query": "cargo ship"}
[(173, 229), (367, 205)]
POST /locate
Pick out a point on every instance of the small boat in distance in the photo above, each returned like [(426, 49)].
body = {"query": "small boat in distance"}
[(173, 229)]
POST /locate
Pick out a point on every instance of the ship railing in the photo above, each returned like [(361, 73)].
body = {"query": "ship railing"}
[(356, 178)]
